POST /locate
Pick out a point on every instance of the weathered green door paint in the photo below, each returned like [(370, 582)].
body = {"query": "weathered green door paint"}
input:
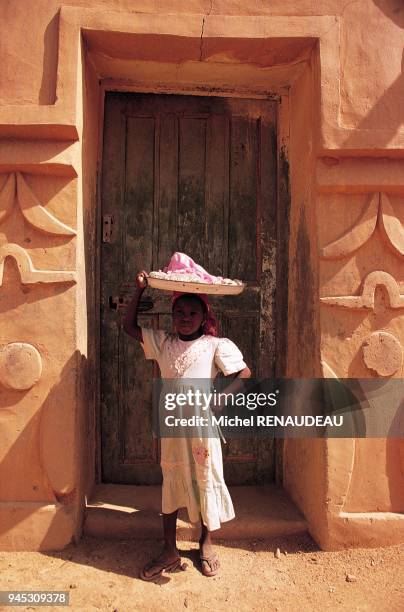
[(198, 175)]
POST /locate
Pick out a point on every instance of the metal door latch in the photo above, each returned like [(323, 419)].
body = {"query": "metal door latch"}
[(121, 302), (107, 223)]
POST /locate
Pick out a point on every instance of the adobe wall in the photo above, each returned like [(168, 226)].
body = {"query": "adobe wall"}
[(341, 166)]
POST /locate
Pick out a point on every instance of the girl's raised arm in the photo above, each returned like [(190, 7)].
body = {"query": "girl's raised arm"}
[(130, 324)]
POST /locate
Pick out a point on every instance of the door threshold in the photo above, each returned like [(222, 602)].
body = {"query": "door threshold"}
[(118, 511)]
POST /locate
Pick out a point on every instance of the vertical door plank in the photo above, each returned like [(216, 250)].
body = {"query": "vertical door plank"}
[(217, 194), (135, 424), (243, 199), (112, 199), (241, 454), (267, 237), (191, 201), (139, 195), (168, 189)]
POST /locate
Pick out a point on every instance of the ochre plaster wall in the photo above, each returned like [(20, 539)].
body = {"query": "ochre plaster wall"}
[(341, 144), (369, 98)]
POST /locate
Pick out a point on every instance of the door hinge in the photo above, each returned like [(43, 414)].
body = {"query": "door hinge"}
[(107, 223)]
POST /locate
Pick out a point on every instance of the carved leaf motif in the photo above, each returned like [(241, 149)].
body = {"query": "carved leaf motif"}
[(391, 226), (357, 235), (367, 298), (7, 196), (36, 214), (28, 273)]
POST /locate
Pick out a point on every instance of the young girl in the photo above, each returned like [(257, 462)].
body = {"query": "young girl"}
[(192, 467)]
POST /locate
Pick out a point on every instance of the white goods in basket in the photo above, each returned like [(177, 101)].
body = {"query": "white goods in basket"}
[(193, 278)]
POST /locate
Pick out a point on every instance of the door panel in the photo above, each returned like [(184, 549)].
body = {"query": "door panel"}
[(198, 175)]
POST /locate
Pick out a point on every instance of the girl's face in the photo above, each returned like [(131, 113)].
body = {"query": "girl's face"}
[(188, 316)]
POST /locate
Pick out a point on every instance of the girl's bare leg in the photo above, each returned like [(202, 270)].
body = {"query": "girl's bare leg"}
[(207, 551), (170, 533), (169, 553)]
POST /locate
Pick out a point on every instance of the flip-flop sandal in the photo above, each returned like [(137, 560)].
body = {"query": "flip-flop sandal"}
[(163, 567), (209, 561)]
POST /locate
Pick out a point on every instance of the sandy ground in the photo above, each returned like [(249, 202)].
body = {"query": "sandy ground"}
[(103, 575)]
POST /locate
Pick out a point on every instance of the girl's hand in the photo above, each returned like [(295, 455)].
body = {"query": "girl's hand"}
[(141, 280), (219, 404)]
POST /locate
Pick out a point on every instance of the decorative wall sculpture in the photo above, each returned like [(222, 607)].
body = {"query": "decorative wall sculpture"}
[(379, 211), (7, 197), (382, 352), (367, 297), (38, 217), (391, 226), (29, 274), (34, 213), (379, 350), (20, 366)]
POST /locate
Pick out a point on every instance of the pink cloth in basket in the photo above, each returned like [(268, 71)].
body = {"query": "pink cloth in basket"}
[(181, 263)]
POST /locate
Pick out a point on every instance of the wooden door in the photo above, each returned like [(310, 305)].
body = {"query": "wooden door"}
[(197, 175)]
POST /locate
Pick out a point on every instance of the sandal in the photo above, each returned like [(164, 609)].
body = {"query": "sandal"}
[(162, 567), (209, 561)]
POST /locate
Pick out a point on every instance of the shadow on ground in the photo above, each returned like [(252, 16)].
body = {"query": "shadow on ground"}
[(127, 557)]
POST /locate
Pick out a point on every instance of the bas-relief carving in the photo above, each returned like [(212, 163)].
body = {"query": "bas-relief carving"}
[(7, 197), (378, 212), (30, 275), (34, 213), (367, 297), (39, 218), (391, 226), (356, 236), (20, 366), (382, 352), (21, 363), (341, 458)]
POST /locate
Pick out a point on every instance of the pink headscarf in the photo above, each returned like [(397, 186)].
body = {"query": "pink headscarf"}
[(210, 325)]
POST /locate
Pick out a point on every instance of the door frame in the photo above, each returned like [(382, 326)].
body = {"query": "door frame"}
[(279, 95)]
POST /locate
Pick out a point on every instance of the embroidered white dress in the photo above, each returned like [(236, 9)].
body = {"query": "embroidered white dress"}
[(193, 467)]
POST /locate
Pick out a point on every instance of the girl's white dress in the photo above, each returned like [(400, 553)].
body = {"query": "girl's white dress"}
[(193, 467)]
